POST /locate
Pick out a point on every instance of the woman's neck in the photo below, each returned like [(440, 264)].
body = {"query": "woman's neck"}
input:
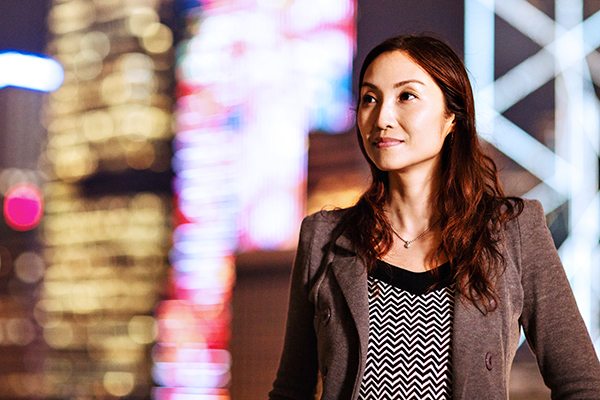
[(410, 205)]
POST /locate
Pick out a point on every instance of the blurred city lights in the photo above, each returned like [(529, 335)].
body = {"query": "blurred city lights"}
[(30, 71), (247, 99)]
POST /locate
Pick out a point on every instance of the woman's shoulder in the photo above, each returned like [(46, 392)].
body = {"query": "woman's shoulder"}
[(327, 216), (320, 228), (533, 210), (324, 219), (530, 210), (529, 219)]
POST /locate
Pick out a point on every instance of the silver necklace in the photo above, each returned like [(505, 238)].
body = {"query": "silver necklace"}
[(407, 243)]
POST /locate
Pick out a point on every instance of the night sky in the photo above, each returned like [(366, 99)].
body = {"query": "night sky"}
[(23, 25)]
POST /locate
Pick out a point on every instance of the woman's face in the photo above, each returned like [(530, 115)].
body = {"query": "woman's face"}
[(402, 115)]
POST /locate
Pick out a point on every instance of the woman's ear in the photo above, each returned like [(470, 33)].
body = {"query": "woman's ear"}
[(449, 124)]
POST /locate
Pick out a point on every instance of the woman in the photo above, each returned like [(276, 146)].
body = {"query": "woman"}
[(420, 289)]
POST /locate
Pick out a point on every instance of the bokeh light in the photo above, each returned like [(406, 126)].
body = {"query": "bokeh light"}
[(29, 267), (23, 207)]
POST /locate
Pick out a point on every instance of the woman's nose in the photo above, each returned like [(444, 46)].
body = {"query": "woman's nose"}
[(386, 116)]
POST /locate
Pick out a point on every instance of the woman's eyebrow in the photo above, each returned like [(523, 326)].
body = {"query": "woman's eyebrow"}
[(396, 85), (406, 82)]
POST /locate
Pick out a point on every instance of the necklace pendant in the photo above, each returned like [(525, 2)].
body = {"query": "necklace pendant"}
[(406, 245)]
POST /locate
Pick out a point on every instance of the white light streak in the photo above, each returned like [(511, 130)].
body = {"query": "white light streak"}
[(538, 69), (28, 71), (526, 151)]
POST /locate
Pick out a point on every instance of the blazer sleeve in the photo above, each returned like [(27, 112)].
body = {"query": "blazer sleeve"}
[(551, 320), (297, 374)]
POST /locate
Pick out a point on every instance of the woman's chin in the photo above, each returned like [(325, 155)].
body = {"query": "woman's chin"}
[(390, 166)]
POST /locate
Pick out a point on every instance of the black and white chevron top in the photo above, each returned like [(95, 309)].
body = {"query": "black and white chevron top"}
[(410, 330)]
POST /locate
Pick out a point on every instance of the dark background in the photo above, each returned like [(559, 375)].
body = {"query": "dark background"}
[(23, 25)]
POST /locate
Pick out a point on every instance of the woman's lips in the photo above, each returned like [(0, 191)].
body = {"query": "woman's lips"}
[(387, 142)]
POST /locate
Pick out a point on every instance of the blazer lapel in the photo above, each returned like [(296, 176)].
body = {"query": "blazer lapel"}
[(351, 275)]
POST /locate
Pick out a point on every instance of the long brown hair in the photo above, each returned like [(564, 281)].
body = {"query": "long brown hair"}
[(470, 200)]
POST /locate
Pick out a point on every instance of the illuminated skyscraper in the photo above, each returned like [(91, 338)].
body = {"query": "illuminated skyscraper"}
[(107, 224)]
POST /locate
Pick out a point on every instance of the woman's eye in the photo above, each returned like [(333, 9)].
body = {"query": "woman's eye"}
[(368, 99), (405, 96)]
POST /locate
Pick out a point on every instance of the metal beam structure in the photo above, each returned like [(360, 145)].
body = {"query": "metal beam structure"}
[(569, 171)]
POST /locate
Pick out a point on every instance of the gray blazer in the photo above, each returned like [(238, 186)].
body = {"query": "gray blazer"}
[(328, 320)]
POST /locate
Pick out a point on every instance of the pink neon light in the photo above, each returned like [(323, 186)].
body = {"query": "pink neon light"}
[(23, 207), (186, 393)]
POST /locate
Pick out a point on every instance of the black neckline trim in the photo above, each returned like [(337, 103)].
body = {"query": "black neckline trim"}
[(417, 283)]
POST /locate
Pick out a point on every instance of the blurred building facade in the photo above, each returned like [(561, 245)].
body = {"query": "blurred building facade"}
[(108, 205)]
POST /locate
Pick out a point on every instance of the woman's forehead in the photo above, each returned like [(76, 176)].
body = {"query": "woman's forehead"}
[(395, 67)]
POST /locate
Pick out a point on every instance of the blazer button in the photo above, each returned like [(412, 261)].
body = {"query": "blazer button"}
[(488, 361), (326, 315)]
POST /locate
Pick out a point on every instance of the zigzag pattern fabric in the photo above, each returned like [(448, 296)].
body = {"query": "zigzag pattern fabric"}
[(409, 355)]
